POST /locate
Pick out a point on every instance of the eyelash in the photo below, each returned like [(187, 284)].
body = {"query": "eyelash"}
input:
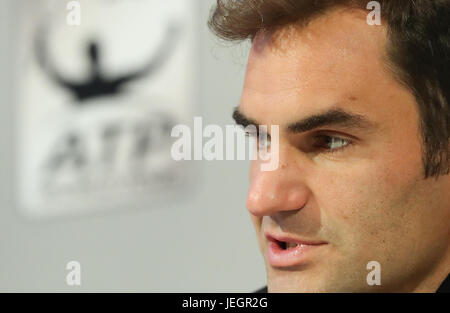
[(247, 134), (321, 137)]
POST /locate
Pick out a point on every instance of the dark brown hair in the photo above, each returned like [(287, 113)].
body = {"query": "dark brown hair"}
[(418, 49)]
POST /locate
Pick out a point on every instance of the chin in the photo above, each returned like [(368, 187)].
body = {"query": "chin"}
[(292, 281), (310, 281)]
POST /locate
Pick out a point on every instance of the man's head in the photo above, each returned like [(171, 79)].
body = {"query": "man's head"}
[(364, 122)]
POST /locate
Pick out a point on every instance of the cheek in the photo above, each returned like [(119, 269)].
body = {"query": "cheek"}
[(371, 192), (363, 204)]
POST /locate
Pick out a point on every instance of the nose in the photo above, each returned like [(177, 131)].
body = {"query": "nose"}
[(275, 191)]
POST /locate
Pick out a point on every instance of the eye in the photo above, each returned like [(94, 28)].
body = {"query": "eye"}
[(263, 140), (331, 143)]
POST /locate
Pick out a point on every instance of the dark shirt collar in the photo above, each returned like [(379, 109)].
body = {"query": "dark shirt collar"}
[(443, 288)]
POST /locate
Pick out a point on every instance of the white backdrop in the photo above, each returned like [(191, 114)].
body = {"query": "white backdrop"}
[(97, 143), (199, 240)]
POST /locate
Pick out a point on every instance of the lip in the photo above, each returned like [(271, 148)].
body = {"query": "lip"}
[(279, 257)]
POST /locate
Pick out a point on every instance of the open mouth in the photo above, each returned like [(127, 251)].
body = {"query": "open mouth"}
[(287, 245), (283, 251)]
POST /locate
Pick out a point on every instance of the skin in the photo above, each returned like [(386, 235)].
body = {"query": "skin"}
[(368, 199)]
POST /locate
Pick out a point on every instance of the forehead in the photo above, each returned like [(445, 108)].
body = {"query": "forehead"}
[(334, 60)]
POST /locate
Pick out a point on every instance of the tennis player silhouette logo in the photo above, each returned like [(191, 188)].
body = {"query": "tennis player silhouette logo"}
[(97, 84), (103, 126)]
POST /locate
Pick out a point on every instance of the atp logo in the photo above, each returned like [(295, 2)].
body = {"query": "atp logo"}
[(97, 133), (109, 134)]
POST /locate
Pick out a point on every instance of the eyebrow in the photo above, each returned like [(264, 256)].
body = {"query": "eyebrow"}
[(331, 117)]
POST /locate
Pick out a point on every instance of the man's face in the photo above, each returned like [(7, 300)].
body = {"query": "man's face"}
[(350, 180)]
